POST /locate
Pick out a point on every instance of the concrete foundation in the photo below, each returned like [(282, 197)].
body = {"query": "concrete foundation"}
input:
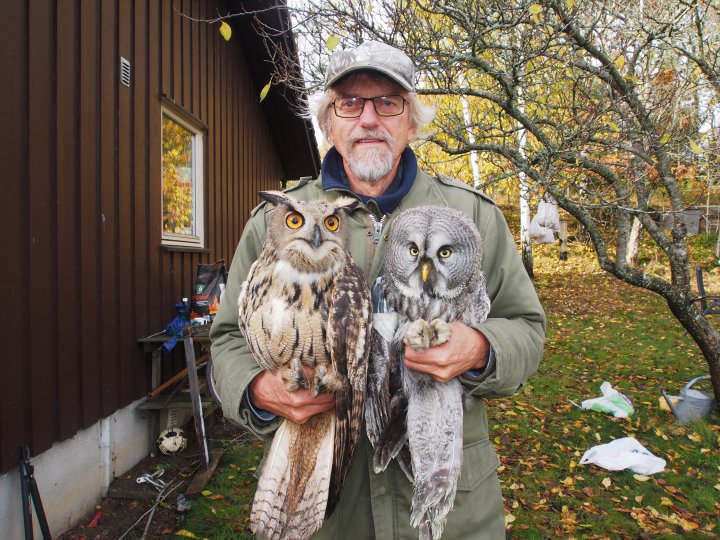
[(75, 474)]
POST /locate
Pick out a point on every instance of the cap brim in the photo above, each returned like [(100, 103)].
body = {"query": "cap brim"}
[(391, 75)]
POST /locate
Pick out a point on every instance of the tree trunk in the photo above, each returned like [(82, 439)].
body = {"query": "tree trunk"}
[(633, 244), (525, 242), (705, 335)]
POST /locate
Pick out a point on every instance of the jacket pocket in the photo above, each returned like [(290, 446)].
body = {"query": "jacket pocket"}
[(479, 462)]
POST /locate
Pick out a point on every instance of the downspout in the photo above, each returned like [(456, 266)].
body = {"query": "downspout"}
[(105, 457)]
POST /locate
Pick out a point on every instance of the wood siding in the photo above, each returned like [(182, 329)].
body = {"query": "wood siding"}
[(83, 273)]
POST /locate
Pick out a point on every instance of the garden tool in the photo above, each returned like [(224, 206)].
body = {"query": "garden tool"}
[(691, 404)]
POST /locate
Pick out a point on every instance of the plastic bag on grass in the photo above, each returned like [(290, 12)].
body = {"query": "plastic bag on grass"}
[(612, 402), (625, 453)]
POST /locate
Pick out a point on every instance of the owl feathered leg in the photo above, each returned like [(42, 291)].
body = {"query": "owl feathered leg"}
[(434, 424), (292, 491)]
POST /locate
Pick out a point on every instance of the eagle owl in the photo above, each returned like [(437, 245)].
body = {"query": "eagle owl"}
[(304, 309), (432, 276)]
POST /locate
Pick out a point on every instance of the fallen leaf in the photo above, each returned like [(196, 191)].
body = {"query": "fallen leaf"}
[(606, 482), (641, 477), (185, 533)]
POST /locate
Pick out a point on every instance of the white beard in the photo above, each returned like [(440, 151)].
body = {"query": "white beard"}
[(370, 164)]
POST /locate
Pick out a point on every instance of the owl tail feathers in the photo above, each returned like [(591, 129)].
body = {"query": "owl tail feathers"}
[(433, 499), (395, 435), (292, 491)]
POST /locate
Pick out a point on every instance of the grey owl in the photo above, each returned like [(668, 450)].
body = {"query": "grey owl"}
[(306, 306), (432, 276)]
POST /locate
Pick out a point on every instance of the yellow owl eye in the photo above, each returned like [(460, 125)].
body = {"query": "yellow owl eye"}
[(294, 220), (414, 251), (332, 223), (445, 252)]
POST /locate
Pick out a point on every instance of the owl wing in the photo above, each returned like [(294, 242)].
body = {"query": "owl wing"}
[(348, 338)]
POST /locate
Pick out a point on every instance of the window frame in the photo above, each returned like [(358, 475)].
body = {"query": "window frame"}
[(169, 109)]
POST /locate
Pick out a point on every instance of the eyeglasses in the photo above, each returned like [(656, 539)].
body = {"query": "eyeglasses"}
[(352, 107)]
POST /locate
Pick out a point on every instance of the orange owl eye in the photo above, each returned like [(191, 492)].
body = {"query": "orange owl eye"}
[(332, 223), (294, 220)]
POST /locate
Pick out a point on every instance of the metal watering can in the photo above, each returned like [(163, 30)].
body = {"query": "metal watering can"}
[(691, 404)]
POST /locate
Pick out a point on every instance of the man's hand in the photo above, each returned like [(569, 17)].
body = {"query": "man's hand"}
[(466, 349), (267, 392)]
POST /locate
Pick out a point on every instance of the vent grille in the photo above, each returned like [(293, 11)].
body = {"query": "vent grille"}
[(125, 71)]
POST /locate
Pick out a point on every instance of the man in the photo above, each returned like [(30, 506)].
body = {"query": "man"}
[(369, 112)]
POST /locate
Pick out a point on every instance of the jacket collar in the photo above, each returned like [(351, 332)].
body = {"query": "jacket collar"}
[(334, 178)]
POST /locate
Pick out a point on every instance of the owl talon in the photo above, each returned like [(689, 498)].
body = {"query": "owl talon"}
[(293, 377), (418, 335), (326, 381), (440, 332)]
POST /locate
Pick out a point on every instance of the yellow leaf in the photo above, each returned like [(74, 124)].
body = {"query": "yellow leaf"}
[(206, 492), (370, 10), (570, 3), (535, 9), (620, 62), (509, 518), (186, 534), (639, 499), (606, 482), (641, 477), (568, 481), (664, 501), (225, 30), (664, 139), (717, 486), (265, 90), (694, 437), (573, 464), (331, 42), (695, 147)]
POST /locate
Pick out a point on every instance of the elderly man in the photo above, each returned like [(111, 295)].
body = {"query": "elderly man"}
[(370, 112)]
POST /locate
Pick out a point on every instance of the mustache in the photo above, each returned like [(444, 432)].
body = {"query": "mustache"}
[(358, 135)]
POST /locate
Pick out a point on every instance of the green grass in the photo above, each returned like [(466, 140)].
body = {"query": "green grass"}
[(598, 330)]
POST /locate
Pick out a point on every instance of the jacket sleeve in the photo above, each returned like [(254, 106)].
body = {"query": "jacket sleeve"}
[(515, 326), (233, 364)]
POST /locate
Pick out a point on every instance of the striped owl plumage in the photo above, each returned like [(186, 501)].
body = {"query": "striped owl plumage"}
[(306, 304), (432, 276)]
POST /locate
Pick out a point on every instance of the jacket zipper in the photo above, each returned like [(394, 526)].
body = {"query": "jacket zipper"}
[(378, 225)]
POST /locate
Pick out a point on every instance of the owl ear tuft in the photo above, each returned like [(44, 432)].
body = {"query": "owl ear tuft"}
[(276, 197), (346, 203)]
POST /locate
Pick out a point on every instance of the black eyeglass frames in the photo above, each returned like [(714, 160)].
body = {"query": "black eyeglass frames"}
[(352, 107)]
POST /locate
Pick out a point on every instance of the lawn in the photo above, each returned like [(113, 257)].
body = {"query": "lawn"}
[(598, 330)]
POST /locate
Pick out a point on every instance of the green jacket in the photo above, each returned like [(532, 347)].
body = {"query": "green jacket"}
[(377, 506)]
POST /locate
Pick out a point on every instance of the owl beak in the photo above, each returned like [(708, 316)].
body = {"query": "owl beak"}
[(425, 268), (317, 237)]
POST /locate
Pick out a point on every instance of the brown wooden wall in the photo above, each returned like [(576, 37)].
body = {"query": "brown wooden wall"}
[(83, 274)]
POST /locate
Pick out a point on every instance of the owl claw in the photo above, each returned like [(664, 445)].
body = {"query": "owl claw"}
[(326, 381), (293, 377), (440, 332), (422, 335)]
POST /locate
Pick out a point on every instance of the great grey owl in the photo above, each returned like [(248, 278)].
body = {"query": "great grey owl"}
[(432, 276), (306, 304)]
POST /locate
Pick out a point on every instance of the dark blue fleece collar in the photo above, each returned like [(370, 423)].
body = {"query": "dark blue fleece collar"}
[(333, 177)]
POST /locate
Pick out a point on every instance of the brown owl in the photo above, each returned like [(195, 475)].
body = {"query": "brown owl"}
[(306, 304)]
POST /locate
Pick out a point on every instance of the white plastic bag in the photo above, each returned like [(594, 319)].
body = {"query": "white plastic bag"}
[(546, 220), (612, 402), (625, 453)]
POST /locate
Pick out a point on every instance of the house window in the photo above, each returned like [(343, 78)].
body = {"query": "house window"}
[(182, 182)]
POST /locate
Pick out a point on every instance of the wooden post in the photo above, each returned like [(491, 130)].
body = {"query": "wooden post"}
[(563, 240)]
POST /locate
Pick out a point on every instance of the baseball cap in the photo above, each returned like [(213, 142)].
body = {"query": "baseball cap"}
[(374, 56)]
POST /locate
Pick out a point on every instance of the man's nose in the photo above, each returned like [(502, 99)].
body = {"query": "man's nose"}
[(369, 115)]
